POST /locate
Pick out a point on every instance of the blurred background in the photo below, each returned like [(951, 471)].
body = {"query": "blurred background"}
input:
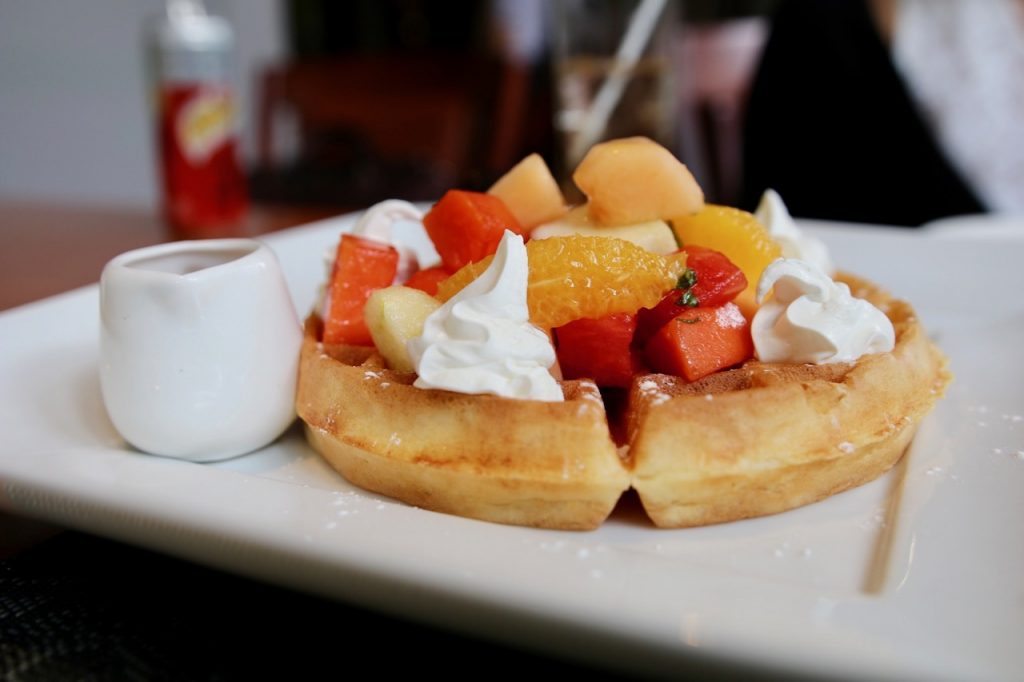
[(343, 104), (346, 103)]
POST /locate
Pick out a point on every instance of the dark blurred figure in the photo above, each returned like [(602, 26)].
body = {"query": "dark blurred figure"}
[(832, 126)]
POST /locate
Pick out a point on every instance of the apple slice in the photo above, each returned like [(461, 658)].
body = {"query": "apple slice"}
[(394, 315), (530, 193), (656, 236), (636, 180)]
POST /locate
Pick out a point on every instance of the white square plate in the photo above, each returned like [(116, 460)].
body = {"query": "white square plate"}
[(918, 574)]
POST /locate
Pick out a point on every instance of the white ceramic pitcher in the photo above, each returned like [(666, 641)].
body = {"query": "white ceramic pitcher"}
[(199, 348)]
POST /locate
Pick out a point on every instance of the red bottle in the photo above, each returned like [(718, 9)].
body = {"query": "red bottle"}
[(204, 189)]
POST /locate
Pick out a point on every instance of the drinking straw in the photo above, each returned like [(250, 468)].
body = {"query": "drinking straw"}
[(638, 34)]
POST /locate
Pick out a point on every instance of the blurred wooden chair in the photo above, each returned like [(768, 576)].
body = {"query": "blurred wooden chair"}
[(374, 126)]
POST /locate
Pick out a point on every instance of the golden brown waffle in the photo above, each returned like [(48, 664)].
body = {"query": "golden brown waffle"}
[(524, 462), (769, 437), (746, 442)]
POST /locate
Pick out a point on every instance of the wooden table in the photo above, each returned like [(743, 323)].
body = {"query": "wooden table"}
[(46, 249)]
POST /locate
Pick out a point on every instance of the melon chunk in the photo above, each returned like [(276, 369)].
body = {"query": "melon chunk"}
[(656, 236), (394, 315), (636, 180), (530, 193)]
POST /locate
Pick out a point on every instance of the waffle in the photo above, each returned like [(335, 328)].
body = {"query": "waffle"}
[(746, 442), (523, 462), (765, 438)]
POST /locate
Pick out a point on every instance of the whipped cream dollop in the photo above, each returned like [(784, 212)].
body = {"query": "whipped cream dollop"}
[(773, 214), (377, 223), (814, 319), (481, 340)]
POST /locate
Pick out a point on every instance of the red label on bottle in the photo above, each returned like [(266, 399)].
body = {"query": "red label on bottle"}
[(204, 187)]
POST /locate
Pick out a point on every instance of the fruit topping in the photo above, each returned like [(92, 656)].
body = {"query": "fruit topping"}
[(394, 315), (710, 280), (599, 349), (467, 226), (531, 193), (738, 235), (701, 342), (655, 236), (580, 276), (427, 280), (635, 180), (361, 266)]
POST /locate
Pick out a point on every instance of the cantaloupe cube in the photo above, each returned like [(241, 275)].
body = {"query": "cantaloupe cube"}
[(635, 180), (530, 193), (394, 315), (656, 236)]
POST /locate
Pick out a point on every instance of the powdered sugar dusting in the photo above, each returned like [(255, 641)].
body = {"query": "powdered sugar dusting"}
[(652, 392)]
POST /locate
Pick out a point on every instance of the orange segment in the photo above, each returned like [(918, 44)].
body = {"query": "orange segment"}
[(583, 276), (739, 236)]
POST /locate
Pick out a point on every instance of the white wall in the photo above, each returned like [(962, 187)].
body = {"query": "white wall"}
[(74, 119)]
